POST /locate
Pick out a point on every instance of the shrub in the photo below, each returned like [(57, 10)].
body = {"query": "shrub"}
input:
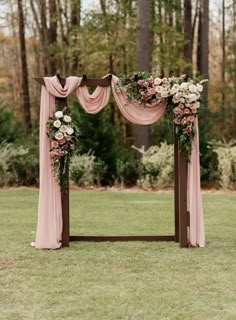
[(9, 154), (227, 163), (85, 170), (128, 172), (157, 166)]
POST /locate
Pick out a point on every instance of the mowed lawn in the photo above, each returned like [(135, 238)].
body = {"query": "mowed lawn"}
[(126, 280)]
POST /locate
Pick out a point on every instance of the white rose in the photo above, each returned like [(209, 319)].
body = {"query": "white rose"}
[(174, 89), (57, 123), (157, 81), (63, 128), (192, 97), (158, 89), (59, 136), (67, 119), (69, 130), (184, 86), (164, 94), (59, 114), (192, 88), (199, 87)]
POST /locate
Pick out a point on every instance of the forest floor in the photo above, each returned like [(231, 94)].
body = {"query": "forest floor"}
[(111, 281)]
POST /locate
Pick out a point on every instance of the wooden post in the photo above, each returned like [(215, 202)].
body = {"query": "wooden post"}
[(176, 184), (183, 218), (62, 102)]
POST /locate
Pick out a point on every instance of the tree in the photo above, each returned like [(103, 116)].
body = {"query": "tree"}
[(188, 45), (142, 133), (24, 68), (203, 47)]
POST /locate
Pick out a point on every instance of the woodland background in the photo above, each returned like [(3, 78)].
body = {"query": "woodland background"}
[(76, 37)]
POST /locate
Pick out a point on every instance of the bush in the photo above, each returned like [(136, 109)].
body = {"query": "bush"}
[(227, 163), (86, 171), (128, 172), (157, 166), (9, 153)]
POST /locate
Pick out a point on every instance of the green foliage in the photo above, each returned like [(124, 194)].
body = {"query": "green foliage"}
[(10, 127), (128, 172), (158, 166), (10, 158), (99, 133), (86, 171), (226, 153)]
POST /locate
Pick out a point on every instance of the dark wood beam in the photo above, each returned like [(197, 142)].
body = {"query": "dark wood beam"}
[(122, 238), (105, 82)]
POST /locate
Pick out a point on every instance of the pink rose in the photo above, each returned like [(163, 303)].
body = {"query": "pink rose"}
[(72, 146), (187, 130), (164, 80), (62, 141), (181, 106), (151, 91), (68, 138), (177, 120), (186, 111), (65, 147), (55, 144), (151, 79), (191, 119), (178, 111)]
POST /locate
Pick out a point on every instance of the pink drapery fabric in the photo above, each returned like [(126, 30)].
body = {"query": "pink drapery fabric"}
[(197, 232), (49, 226)]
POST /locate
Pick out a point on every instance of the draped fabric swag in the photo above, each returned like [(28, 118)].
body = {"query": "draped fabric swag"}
[(49, 227)]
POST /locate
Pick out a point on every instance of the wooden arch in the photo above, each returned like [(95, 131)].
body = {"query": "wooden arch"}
[(181, 215)]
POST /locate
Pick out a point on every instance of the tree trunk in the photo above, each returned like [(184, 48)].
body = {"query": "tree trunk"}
[(223, 64), (75, 25), (52, 37), (188, 46), (142, 133), (203, 47), (24, 69)]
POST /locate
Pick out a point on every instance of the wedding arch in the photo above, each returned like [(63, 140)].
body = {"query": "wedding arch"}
[(53, 227)]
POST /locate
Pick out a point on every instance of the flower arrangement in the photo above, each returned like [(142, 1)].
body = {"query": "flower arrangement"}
[(183, 100), (63, 135)]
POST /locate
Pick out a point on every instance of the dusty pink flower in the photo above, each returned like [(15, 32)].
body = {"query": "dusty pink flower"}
[(68, 138), (186, 111), (55, 144), (181, 106), (164, 80), (72, 146), (62, 141), (177, 120), (187, 130), (151, 79), (191, 118), (178, 111)]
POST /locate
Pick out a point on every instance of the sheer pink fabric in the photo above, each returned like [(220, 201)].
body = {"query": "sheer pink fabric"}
[(197, 233), (49, 227), (134, 111)]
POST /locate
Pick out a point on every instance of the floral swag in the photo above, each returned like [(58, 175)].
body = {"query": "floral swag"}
[(183, 99)]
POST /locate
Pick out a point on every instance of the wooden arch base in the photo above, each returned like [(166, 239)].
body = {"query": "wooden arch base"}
[(181, 215)]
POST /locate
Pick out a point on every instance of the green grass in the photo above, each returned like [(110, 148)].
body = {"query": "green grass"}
[(109, 281)]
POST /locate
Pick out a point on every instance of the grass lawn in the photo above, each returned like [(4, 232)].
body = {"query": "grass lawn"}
[(126, 280)]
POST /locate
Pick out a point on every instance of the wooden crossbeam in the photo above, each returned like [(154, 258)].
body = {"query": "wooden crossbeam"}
[(105, 82), (122, 238)]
